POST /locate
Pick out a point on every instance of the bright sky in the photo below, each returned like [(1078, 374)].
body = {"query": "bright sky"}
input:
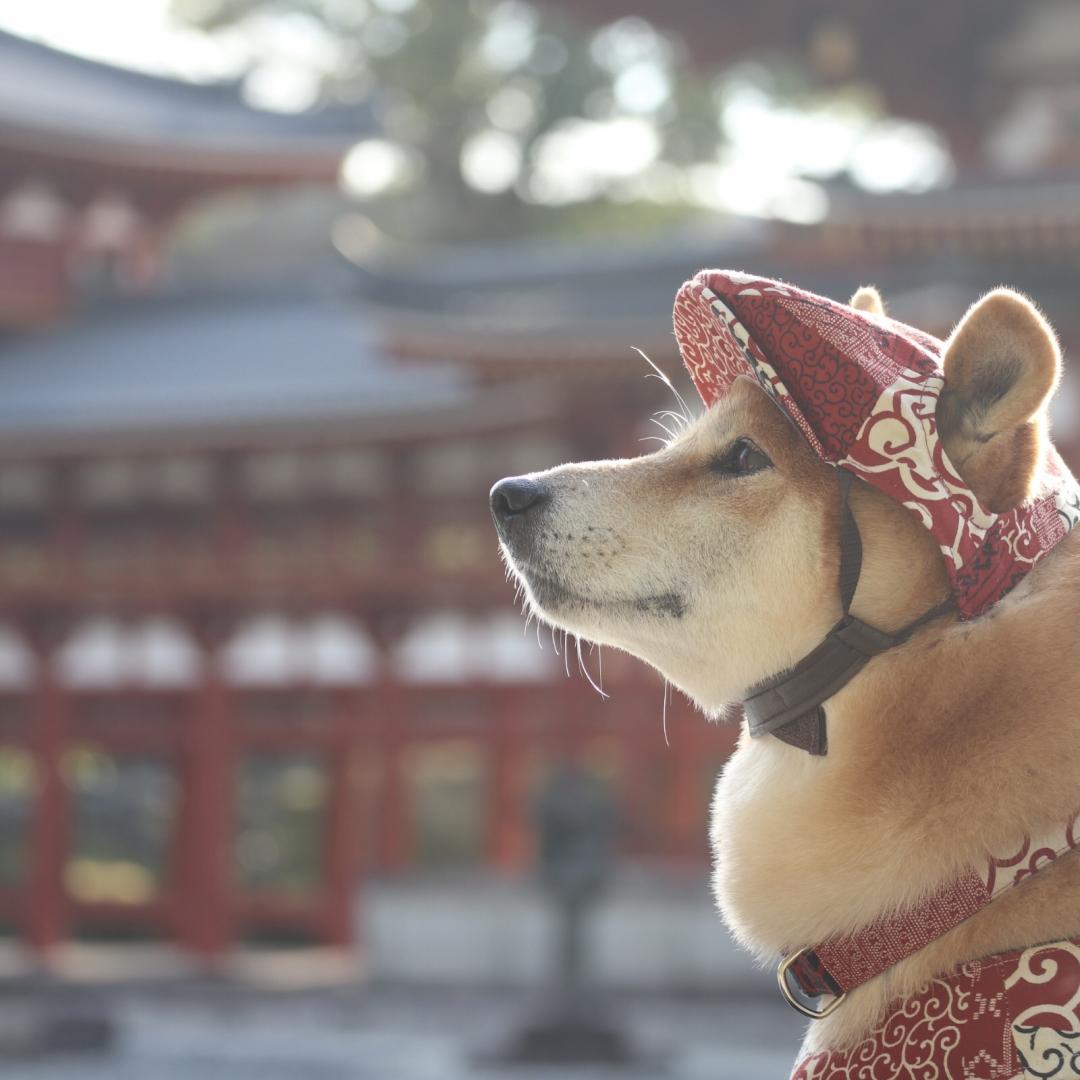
[(132, 33)]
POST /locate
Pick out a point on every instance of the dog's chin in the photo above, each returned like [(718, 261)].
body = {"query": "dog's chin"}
[(584, 623), (559, 605), (604, 619), (550, 594)]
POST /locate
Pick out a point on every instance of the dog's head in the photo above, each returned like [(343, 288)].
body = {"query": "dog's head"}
[(715, 559)]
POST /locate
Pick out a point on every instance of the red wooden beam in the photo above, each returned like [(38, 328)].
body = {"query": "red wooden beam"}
[(392, 710), (207, 817), (340, 849), (46, 922), (508, 811)]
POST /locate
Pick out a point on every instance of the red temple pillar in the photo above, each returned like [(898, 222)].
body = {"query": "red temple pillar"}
[(341, 827), (508, 839), (394, 826), (46, 921), (208, 820), (689, 804)]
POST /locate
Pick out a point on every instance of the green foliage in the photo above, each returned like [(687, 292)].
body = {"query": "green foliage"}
[(490, 104)]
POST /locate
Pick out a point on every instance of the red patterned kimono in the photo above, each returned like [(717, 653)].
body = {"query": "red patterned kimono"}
[(1008, 1016)]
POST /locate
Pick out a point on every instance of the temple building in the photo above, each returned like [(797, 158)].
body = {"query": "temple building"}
[(257, 643), (261, 673), (257, 639), (96, 164)]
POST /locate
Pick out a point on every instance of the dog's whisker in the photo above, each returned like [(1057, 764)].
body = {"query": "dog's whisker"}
[(681, 422), (584, 669), (663, 715), (665, 429), (658, 374)]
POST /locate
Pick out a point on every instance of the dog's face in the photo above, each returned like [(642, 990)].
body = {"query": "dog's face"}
[(711, 559), (715, 559)]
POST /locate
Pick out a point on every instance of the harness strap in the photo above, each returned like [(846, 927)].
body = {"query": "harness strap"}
[(850, 543), (789, 705), (839, 965)]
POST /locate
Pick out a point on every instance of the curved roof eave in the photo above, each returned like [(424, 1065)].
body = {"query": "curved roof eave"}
[(215, 368), (67, 105)]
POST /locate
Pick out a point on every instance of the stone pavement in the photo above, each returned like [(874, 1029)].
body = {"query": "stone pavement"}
[(205, 1029)]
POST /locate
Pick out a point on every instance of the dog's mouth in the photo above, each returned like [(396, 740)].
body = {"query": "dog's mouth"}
[(550, 594)]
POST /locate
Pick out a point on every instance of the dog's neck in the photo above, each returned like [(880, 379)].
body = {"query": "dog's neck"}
[(903, 571), (929, 747), (790, 706)]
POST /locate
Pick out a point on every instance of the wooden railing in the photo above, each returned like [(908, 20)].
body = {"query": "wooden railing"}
[(363, 740)]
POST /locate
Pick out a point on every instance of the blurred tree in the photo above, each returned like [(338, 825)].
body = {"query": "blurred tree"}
[(494, 111)]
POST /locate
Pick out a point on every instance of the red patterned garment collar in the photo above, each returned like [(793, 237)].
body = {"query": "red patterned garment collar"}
[(989, 1019), (1011, 1016), (863, 389), (837, 966)]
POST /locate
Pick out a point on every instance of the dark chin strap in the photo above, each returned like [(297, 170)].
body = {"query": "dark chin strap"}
[(789, 705)]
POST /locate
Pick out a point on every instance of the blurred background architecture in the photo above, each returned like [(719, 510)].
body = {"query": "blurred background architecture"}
[(279, 306)]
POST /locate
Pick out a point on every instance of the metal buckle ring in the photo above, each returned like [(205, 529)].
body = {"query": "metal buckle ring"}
[(789, 992)]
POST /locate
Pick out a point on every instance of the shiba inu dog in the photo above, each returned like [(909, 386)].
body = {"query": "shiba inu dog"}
[(912, 744)]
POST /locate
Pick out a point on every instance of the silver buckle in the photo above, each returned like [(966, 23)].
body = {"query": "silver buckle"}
[(794, 995)]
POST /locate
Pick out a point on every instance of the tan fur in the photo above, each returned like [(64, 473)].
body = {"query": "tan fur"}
[(758, 560), (1001, 366), (962, 740), (867, 298)]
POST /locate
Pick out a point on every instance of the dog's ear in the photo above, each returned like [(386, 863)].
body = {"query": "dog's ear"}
[(867, 298), (1001, 366)]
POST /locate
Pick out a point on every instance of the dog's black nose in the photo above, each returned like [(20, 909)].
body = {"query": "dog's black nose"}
[(514, 496)]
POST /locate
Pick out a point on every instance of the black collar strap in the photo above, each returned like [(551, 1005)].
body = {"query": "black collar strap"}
[(789, 705)]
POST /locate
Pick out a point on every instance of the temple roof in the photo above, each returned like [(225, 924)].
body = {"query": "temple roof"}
[(222, 367), (63, 105), (402, 354), (523, 301), (540, 299), (986, 205)]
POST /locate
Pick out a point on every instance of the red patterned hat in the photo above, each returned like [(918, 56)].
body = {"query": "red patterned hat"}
[(864, 389)]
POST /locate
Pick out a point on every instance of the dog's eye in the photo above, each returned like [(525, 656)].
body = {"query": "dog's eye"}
[(741, 458)]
